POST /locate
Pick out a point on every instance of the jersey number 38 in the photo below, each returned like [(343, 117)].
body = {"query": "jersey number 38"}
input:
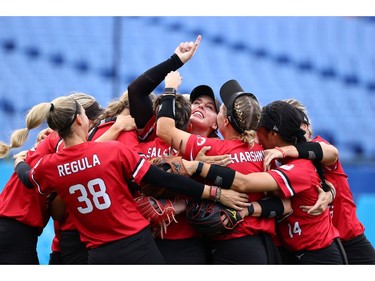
[(100, 198)]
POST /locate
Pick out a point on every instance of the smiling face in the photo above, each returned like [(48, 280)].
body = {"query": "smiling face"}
[(203, 116)]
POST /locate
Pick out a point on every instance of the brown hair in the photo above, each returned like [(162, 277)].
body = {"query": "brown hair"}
[(114, 108), (182, 110)]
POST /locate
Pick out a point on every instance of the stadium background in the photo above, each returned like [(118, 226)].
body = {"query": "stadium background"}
[(328, 63)]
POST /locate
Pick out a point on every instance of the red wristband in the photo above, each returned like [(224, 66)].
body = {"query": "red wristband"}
[(282, 151), (213, 191)]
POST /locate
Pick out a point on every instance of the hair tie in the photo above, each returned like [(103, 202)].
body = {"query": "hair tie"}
[(52, 107)]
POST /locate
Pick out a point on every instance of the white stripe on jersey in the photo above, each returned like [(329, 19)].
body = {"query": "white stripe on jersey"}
[(139, 166), (285, 180), (32, 176)]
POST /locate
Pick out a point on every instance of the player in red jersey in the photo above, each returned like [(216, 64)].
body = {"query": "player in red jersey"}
[(27, 210), (358, 248), (67, 238), (98, 191), (237, 121), (310, 239), (181, 244), (23, 216), (48, 142)]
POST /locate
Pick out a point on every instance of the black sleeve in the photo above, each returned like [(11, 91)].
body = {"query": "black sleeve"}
[(141, 107), (176, 183), (22, 170)]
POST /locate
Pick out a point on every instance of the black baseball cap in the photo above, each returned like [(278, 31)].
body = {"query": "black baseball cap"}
[(283, 118), (228, 93), (204, 90)]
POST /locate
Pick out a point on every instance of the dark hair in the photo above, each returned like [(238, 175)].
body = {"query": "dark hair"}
[(182, 111), (285, 119)]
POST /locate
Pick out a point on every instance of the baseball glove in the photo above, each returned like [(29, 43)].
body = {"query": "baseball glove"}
[(210, 218), (160, 213), (172, 164)]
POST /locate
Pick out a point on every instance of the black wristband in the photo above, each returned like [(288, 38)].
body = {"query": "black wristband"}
[(167, 107), (199, 169), (271, 207), (310, 150), (221, 176), (250, 209), (170, 91)]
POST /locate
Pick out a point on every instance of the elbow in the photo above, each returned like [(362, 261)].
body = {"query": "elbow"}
[(239, 186), (160, 132), (287, 206), (334, 157)]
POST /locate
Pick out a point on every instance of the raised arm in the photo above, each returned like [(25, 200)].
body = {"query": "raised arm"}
[(143, 85), (166, 127)]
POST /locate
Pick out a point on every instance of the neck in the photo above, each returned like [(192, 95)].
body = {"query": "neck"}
[(229, 133), (74, 140), (200, 132)]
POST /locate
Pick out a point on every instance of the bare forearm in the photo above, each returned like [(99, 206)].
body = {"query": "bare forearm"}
[(250, 183)]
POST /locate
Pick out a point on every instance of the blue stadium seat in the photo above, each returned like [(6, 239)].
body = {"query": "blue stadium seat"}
[(365, 211)]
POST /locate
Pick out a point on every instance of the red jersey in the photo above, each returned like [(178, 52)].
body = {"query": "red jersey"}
[(182, 229), (51, 144), (155, 148), (23, 204), (343, 208), (91, 178), (246, 160), (297, 179), (148, 133), (129, 139)]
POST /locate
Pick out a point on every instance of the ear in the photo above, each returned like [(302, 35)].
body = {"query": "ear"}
[(79, 119), (304, 127), (226, 122), (190, 127), (214, 126)]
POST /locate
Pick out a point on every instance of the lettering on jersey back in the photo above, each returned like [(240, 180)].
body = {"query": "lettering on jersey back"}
[(79, 165), (248, 156)]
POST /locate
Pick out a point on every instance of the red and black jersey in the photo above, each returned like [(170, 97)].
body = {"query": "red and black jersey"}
[(297, 179), (91, 179), (155, 148), (343, 208), (26, 205), (148, 133), (129, 139), (246, 160)]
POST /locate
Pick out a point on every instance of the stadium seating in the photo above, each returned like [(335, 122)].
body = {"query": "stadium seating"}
[(326, 62)]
